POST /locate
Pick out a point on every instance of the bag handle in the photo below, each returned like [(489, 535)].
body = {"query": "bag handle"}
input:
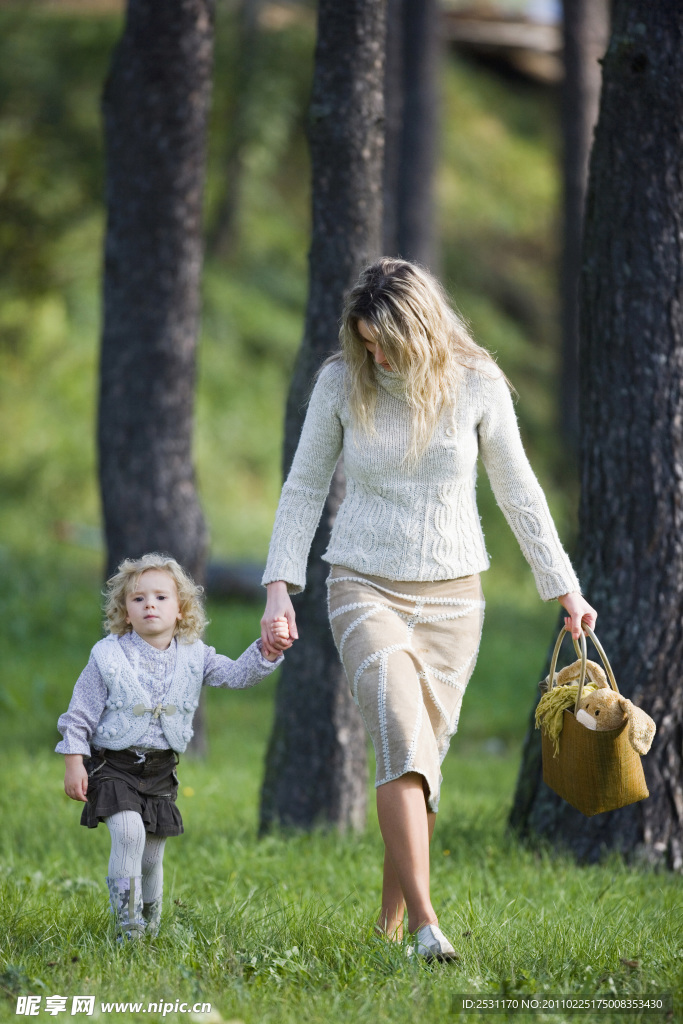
[(583, 655)]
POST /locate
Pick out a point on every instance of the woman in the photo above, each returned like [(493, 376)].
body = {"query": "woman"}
[(410, 401)]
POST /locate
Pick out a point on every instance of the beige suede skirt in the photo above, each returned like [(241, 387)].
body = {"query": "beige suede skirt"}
[(408, 650)]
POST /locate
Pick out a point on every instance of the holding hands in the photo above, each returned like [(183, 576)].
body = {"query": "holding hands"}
[(278, 625), (280, 633)]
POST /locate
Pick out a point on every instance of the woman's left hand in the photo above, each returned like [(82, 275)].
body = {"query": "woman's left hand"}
[(578, 611)]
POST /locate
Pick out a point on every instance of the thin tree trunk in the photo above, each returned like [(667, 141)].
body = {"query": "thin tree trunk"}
[(155, 105), (631, 515), (411, 101), (586, 27), (155, 108), (316, 768)]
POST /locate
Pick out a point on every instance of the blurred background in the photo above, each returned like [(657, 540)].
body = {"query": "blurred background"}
[(498, 217)]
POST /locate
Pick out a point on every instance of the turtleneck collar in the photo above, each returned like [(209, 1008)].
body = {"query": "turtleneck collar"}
[(390, 381)]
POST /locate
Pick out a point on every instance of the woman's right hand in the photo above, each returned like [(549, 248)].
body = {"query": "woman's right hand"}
[(278, 606)]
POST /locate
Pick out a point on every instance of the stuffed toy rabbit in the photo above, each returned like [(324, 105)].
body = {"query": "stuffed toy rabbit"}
[(604, 709)]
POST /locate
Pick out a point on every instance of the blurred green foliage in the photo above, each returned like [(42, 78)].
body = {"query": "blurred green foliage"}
[(497, 197)]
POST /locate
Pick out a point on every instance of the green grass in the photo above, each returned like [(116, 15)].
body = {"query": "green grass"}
[(279, 929)]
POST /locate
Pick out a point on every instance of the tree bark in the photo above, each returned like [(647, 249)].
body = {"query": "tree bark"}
[(155, 105), (316, 769), (631, 357), (586, 27), (411, 104)]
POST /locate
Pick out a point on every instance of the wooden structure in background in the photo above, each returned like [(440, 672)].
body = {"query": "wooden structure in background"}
[(510, 33)]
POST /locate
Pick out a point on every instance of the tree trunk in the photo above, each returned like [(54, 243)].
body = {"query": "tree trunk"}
[(586, 25), (631, 515), (411, 104), (155, 103), (316, 768), (155, 110)]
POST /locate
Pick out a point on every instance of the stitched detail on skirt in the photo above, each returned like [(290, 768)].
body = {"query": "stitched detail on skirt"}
[(369, 660), (414, 619), (408, 651), (353, 607), (382, 708), (410, 756), (356, 622), (451, 616), (452, 680), (435, 700), (451, 601)]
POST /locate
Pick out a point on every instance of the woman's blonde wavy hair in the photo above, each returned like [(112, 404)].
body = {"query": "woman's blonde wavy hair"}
[(424, 339), (190, 596)]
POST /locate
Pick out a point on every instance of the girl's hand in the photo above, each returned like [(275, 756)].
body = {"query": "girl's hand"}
[(281, 628), (278, 625), (578, 611), (75, 778), (281, 631)]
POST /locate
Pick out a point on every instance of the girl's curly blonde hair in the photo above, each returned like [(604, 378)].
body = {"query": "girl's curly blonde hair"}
[(424, 339), (190, 596)]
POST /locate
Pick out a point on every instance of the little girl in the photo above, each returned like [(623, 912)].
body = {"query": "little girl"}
[(130, 717)]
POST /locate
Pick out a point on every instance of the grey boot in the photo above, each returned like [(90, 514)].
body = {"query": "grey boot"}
[(125, 896), (151, 913)]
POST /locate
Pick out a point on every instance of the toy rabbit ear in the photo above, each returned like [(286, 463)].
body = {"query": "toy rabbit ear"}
[(596, 674), (569, 674), (641, 728)]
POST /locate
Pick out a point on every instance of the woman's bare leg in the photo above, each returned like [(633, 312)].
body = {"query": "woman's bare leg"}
[(390, 920), (406, 828)]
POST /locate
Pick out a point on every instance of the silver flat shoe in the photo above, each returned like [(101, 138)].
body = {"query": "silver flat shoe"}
[(431, 944)]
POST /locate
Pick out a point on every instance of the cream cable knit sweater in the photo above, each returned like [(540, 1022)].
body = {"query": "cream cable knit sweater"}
[(419, 520)]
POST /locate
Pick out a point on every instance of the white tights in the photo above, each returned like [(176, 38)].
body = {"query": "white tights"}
[(136, 852)]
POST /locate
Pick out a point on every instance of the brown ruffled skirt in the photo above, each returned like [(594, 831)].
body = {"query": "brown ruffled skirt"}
[(118, 780), (409, 650)]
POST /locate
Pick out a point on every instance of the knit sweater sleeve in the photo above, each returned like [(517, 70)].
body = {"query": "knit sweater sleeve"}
[(519, 493), (306, 488)]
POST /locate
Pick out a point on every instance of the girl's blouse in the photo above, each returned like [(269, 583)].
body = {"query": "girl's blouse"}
[(416, 520), (155, 671)]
